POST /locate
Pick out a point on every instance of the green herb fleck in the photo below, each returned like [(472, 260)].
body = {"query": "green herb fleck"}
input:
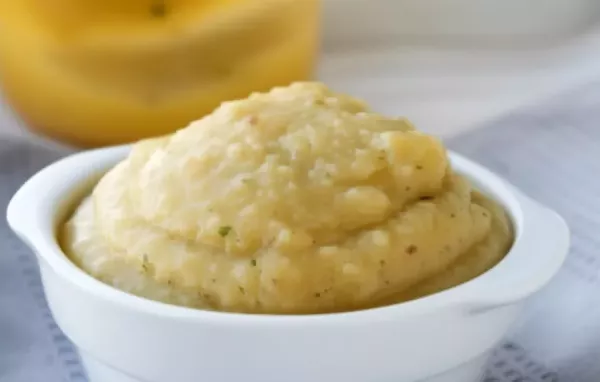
[(242, 290), (419, 167), (317, 295), (224, 230), (253, 262), (411, 249), (145, 265)]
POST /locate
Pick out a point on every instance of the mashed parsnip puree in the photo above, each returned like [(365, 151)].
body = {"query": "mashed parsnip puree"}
[(299, 200)]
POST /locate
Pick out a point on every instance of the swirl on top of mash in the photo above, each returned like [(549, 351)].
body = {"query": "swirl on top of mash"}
[(299, 200)]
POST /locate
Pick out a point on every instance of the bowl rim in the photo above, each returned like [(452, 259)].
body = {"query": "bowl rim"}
[(34, 216)]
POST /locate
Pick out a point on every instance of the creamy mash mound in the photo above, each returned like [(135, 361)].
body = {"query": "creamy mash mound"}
[(299, 200)]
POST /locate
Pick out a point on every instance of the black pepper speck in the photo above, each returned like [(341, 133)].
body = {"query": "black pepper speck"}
[(411, 249), (158, 8)]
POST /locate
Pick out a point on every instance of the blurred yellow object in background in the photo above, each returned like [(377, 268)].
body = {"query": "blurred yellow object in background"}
[(100, 72)]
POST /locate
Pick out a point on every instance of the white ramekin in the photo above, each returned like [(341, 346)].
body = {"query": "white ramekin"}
[(445, 337)]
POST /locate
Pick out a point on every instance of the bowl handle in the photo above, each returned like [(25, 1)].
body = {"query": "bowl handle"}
[(538, 253), (23, 211), (32, 211)]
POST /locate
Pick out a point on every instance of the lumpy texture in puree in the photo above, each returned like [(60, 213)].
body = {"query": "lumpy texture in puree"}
[(299, 200)]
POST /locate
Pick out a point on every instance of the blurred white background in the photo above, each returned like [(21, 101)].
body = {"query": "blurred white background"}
[(452, 64)]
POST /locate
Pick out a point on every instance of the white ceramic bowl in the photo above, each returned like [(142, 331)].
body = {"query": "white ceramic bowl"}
[(445, 337)]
